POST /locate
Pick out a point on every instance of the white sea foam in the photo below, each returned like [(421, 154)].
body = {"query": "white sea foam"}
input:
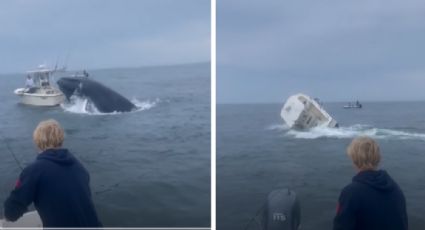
[(84, 106), (146, 104), (278, 127), (354, 131)]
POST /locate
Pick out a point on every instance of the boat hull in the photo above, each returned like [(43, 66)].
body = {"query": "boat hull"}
[(352, 107), (44, 98), (302, 112)]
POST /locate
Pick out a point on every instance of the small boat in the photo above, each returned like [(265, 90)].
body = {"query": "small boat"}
[(355, 105), (28, 220), (84, 74), (302, 112), (41, 93)]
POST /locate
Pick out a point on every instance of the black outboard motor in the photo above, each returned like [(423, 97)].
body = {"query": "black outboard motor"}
[(283, 211)]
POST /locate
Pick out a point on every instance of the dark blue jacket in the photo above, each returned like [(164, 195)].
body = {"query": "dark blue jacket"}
[(58, 185), (373, 201)]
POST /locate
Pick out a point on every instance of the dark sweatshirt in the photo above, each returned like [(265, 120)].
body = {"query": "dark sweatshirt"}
[(373, 201), (58, 185)]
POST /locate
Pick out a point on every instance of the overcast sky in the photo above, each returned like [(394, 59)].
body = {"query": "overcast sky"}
[(103, 33), (335, 50)]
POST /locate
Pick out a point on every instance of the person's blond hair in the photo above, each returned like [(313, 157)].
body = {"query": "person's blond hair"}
[(48, 134), (364, 152)]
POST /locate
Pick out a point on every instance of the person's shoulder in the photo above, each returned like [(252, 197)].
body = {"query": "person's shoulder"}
[(32, 169), (352, 189), (350, 186), (39, 162), (395, 184), (351, 193)]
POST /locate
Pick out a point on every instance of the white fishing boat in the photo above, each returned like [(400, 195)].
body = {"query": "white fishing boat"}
[(41, 92), (302, 112), (28, 220)]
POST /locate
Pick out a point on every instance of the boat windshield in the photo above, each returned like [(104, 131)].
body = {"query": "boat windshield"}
[(41, 79)]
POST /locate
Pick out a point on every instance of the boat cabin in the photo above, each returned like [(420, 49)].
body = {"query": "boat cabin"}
[(40, 92)]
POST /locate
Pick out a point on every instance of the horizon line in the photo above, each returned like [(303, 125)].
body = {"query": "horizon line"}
[(126, 67), (339, 101)]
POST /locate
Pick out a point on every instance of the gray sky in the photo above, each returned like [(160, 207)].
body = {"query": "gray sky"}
[(103, 33), (335, 50)]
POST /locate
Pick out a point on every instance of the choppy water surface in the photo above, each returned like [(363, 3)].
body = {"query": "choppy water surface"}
[(257, 153)]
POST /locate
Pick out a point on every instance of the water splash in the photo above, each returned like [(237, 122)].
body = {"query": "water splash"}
[(145, 105), (353, 131), (81, 105), (278, 127)]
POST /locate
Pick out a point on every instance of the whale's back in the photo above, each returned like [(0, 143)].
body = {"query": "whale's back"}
[(104, 98)]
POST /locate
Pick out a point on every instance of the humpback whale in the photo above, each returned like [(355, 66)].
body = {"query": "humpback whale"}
[(105, 99)]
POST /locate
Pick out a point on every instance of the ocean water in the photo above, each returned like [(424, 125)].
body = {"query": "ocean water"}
[(150, 167), (257, 153)]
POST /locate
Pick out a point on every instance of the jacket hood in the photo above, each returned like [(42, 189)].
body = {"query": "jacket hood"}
[(379, 180), (59, 156)]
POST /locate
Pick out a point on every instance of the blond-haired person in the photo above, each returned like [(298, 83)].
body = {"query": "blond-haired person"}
[(56, 182), (373, 200)]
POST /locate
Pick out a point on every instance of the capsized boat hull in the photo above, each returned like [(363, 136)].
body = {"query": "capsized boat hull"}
[(302, 112)]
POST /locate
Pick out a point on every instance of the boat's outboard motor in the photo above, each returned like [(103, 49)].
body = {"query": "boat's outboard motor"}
[(283, 211)]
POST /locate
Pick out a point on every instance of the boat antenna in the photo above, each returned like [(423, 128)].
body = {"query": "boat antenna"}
[(57, 61), (66, 61), (12, 153)]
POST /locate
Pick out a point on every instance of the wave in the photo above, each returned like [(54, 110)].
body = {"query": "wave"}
[(354, 131), (84, 106)]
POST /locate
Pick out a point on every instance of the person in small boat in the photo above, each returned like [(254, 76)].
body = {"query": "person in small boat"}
[(56, 182), (357, 103), (85, 73), (29, 83), (373, 200)]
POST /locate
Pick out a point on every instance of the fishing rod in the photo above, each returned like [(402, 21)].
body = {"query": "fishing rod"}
[(254, 218), (12, 153)]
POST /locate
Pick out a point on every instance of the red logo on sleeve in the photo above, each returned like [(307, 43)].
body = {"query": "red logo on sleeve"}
[(338, 208), (18, 183)]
